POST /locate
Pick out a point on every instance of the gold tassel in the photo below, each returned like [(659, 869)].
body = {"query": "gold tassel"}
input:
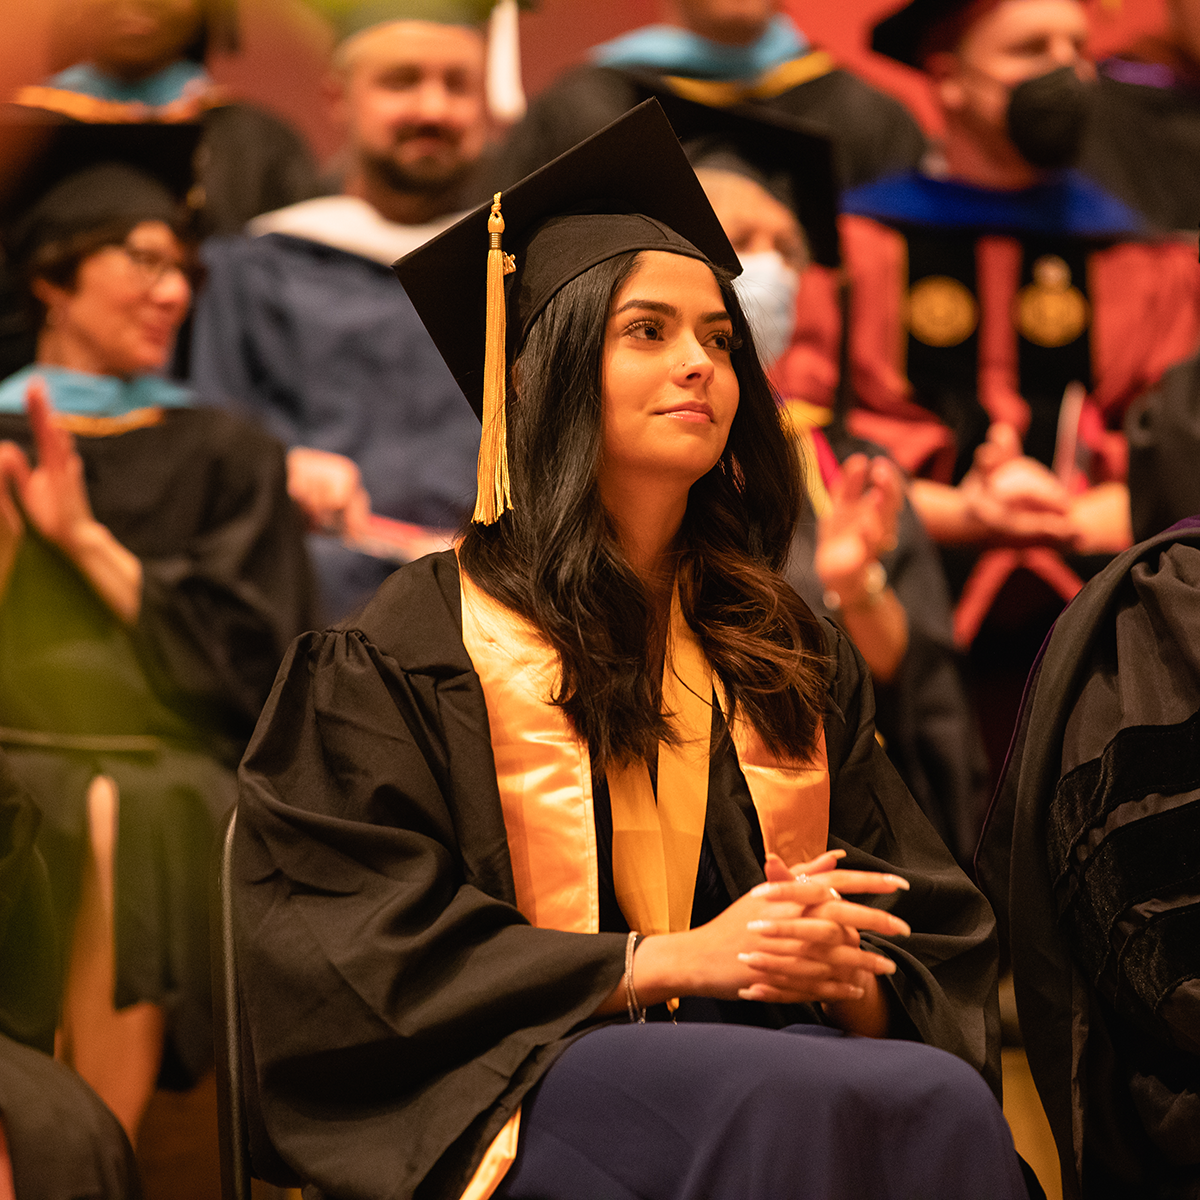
[(492, 495)]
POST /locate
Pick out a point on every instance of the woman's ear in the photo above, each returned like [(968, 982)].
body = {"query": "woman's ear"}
[(49, 295)]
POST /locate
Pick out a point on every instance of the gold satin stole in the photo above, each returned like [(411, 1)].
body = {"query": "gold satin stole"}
[(544, 774)]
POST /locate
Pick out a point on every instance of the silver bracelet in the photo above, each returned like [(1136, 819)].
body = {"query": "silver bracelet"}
[(636, 1012)]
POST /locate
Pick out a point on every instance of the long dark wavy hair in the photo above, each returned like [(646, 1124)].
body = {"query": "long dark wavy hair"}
[(555, 558)]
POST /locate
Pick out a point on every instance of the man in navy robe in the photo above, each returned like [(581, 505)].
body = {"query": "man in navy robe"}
[(302, 323)]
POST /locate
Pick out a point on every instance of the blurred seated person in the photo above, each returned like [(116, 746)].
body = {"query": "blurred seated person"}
[(1003, 315), (1089, 859), (152, 573), (720, 52), (57, 1138), (546, 781), (144, 61), (301, 325), (1143, 132), (859, 555), (983, 291)]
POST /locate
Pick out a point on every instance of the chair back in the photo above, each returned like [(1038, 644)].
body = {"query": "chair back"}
[(245, 1148)]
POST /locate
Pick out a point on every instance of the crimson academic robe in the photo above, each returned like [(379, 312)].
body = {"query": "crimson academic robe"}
[(399, 1006), (969, 307)]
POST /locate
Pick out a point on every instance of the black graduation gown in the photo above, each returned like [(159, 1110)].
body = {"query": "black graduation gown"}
[(399, 1006), (252, 163), (166, 707), (872, 134), (1091, 856)]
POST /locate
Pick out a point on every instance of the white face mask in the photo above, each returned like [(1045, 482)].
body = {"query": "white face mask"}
[(767, 288)]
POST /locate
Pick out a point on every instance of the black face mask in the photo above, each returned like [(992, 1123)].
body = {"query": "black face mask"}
[(1047, 117)]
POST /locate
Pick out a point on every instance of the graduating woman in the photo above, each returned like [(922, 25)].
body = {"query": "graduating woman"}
[(604, 764), (152, 572)]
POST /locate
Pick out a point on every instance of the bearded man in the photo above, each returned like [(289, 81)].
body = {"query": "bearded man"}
[(301, 323)]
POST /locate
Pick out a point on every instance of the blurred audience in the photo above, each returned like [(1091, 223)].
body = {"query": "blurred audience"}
[(722, 53), (1003, 316), (1089, 860), (145, 62), (1014, 281), (152, 573), (302, 325), (859, 556)]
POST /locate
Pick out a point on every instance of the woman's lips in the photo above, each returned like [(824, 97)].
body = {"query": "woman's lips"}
[(692, 410)]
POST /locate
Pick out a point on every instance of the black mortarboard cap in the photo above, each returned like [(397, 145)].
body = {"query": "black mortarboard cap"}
[(628, 187), (77, 175), (792, 161), (905, 34)]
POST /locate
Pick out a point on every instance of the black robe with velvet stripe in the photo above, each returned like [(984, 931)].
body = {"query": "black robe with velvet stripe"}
[(1091, 856), (399, 1006)]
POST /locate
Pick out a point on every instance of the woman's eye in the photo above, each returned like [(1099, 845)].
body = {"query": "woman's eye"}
[(649, 331), (725, 341)]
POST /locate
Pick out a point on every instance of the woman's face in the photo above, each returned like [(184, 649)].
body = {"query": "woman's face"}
[(668, 385), (128, 301), (134, 38)]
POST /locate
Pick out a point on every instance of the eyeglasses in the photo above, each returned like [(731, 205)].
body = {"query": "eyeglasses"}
[(149, 266)]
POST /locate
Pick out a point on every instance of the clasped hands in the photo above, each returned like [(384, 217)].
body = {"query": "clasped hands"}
[(1016, 501), (794, 939)]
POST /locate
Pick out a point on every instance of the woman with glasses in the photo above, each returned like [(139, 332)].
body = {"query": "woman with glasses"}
[(152, 572)]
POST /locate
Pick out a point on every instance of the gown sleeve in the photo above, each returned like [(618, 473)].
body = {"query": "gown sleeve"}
[(944, 989), (399, 1005)]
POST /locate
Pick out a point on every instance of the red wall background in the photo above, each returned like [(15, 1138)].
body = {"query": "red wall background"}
[(285, 46)]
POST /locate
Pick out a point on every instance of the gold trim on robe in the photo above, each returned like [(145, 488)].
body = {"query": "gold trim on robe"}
[(93, 111), (720, 93), (543, 770), (88, 426)]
